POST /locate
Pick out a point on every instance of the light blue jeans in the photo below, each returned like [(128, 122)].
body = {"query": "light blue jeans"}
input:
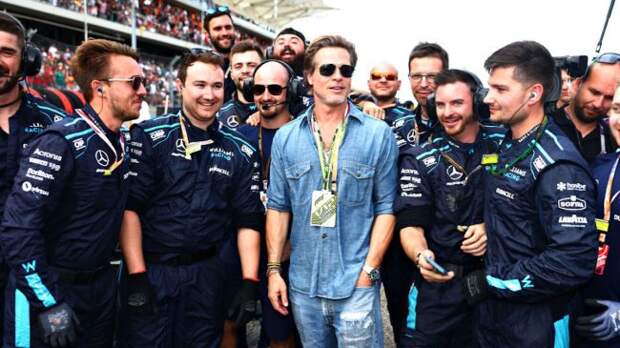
[(352, 322)]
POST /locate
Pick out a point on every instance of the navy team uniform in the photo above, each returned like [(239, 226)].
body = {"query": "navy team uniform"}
[(605, 284), (189, 205), (275, 326), (32, 117), (397, 271), (542, 244), (441, 187), (412, 129), (61, 224), (234, 113)]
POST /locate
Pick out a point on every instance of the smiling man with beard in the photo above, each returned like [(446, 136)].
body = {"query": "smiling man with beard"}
[(222, 36), (195, 187), (22, 116), (583, 120), (439, 212), (62, 218), (289, 46)]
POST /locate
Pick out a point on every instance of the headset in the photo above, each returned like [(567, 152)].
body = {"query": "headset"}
[(481, 110), (294, 87), (553, 95), (30, 63)]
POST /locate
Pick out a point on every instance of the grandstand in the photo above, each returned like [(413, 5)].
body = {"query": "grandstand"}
[(164, 28)]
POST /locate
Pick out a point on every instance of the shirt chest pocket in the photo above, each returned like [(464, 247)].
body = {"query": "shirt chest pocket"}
[(102, 191), (300, 184), (355, 182)]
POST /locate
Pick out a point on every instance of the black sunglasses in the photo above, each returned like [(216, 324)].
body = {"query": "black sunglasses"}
[(136, 81), (272, 89), (328, 70)]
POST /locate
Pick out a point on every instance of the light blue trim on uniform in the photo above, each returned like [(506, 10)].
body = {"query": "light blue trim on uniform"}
[(69, 124), (562, 337), (495, 135), (424, 154), (78, 134), (40, 290), (413, 301), (555, 139), (22, 320), (55, 111), (226, 134), (544, 153), (162, 126), (511, 284)]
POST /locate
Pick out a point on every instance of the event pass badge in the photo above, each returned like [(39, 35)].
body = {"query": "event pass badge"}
[(323, 210)]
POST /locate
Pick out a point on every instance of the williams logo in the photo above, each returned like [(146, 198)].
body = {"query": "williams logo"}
[(572, 203)]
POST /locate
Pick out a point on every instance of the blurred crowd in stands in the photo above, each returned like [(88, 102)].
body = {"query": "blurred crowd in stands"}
[(158, 16), (55, 71)]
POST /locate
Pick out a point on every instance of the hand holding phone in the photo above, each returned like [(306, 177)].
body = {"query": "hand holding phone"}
[(436, 267)]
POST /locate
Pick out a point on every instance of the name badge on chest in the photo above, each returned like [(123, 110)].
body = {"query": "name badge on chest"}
[(323, 209)]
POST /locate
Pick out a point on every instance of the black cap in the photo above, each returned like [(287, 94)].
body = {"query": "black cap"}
[(292, 31)]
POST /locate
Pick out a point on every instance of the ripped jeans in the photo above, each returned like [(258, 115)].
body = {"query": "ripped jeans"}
[(352, 322)]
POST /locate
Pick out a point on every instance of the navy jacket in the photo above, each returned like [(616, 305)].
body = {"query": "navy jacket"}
[(412, 130), (437, 196), (234, 113), (62, 210), (188, 204)]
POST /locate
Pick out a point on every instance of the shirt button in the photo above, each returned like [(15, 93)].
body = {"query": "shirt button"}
[(324, 235)]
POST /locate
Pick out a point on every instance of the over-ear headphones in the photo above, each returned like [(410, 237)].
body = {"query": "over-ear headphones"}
[(553, 95), (30, 63), (481, 110), (294, 86)]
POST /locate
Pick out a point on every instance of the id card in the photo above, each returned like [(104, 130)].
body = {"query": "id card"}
[(323, 210)]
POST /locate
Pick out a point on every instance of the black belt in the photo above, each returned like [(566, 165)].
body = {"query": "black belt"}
[(181, 260), (78, 276)]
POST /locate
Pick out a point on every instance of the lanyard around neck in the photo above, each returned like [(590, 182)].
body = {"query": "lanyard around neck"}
[(190, 147), (101, 134), (329, 163)]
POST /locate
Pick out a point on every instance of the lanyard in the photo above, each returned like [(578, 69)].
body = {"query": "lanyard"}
[(190, 147), (459, 167), (524, 154), (264, 163), (101, 134), (329, 163), (608, 198)]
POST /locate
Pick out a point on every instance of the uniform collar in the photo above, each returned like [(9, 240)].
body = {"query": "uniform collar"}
[(95, 117), (211, 130)]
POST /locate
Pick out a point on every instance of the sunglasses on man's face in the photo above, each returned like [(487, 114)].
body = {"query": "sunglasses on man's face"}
[(135, 81), (328, 70), (389, 76), (272, 89)]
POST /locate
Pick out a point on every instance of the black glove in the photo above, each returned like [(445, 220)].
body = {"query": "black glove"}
[(59, 325), (141, 297), (243, 307), (602, 326), (475, 286)]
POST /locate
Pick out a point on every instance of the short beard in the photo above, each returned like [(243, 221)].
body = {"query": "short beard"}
[(581, 116), (384, 98), (9, 85), (223, 50)]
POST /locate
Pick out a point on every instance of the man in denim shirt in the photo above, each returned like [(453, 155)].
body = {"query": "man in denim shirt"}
[(333, 169)]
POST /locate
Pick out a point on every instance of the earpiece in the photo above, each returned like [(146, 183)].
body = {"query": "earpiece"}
[(100, 90), (533, 95)]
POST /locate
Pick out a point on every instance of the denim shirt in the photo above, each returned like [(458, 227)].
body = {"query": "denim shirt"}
[(326, 261)]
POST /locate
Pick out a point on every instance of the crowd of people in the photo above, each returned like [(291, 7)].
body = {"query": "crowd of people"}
[(158, 16), (488, 215)]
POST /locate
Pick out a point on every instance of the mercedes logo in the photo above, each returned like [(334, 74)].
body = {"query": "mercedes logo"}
[(232, 121), (453, 173), (412, 136), (102, 158), (180, 145)]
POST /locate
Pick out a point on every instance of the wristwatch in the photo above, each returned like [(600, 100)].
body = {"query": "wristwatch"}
[(373, 273)]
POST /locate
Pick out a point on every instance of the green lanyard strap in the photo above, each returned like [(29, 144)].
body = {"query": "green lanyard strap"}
[(329, 163)]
